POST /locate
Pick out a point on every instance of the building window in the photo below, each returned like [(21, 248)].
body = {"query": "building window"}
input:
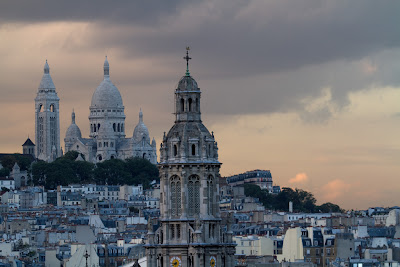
[(194, 195), (176, 204), (193, 150), (210, 195), (190, 104), (182, 105), (175, 150)]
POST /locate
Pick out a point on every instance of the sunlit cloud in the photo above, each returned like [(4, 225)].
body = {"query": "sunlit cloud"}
[(299, 178), (335, 189)]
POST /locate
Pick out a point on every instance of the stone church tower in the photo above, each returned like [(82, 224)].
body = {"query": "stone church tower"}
[(47, 122), (190, 232)]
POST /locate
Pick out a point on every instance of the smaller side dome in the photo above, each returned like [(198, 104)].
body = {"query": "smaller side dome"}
[(73, 130), (141, 131), (187, 83)]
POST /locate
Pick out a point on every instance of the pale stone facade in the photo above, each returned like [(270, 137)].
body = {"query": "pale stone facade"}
[(107, 129), (191, 231), (47, 122)]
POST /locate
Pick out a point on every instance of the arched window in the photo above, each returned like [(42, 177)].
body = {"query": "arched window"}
[(144, 155), (114, 127), (98, 126), (194, 195), (122, 127), (197, 105), (52, 108), (175, 151), (182, 105), (176, 203), (190, 104), (99, 157), (40, 108), (119, 127), (210, 195), (112, 144), (193, 150)]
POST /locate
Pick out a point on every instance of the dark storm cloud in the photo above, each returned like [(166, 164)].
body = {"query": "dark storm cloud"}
[(257, 56), (121, 11)]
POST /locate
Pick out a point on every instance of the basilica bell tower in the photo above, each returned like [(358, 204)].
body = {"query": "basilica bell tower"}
[(47, 121), (190, 231)]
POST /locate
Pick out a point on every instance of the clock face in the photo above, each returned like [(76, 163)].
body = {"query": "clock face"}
[(213, 261), (175, 262)]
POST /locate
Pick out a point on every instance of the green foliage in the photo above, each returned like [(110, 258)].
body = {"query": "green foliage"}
[(329, 207), (65, 170), (303, 201), (111, 172), (4, 172), (8, 161)]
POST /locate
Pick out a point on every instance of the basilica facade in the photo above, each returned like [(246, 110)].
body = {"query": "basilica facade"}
[(107, 139), (190, 231)]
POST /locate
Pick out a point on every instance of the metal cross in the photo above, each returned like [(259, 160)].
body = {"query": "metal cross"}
[(187, 58), (86, 256)]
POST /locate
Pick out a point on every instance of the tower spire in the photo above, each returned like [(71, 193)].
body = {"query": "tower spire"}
[(46, 68), (187, 58)]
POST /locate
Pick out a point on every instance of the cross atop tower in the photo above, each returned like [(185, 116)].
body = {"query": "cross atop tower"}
[(187, 58)]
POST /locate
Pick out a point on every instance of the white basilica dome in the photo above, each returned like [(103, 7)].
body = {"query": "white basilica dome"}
[(106, 94)]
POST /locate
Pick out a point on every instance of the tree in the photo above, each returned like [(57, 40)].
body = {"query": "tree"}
[(9, 161), (329, 207), (4, 172), (111, 171), (142, 172), (303, 201)]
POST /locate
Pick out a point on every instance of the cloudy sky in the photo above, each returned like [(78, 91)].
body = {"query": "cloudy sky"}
[(307, 89)]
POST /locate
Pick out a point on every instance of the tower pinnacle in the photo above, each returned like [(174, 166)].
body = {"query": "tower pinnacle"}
[(187, 58), (46, 68), (106, 69), (73, 116)]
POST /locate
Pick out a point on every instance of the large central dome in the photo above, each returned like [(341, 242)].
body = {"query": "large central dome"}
[(106, 94)]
